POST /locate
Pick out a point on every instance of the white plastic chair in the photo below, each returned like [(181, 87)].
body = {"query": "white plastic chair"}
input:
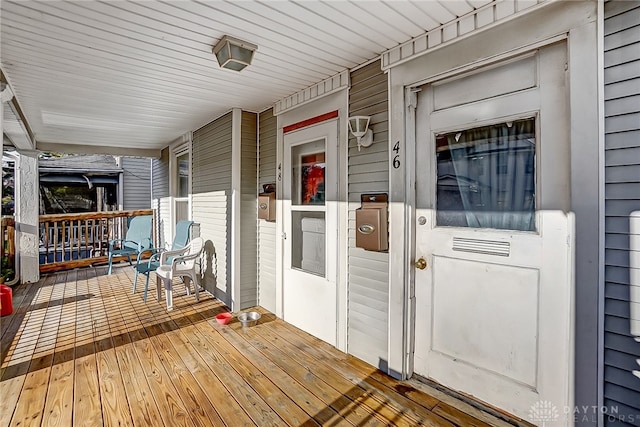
[(183, 264)]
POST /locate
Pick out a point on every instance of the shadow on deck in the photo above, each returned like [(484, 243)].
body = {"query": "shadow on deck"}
[(80, 345)]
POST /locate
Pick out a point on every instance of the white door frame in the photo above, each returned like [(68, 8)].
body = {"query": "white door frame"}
[(339, 101), (571, 20)]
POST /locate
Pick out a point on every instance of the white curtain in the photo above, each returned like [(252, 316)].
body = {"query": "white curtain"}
[(494, 168)]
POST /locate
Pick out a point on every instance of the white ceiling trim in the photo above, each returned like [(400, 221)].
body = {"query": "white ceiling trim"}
[(462, 27), (97, 149), (324, 88)]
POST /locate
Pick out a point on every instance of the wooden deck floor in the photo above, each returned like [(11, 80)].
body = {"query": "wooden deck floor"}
[(82, 350)]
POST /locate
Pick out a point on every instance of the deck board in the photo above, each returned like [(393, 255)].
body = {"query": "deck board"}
[(82, 349)]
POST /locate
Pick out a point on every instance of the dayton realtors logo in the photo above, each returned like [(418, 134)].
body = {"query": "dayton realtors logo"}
[(543, 412)]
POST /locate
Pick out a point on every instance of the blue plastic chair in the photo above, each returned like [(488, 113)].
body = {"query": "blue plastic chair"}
[(180, 240), (137, 240)]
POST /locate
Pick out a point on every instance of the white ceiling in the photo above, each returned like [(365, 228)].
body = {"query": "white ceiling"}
[(141, 73)]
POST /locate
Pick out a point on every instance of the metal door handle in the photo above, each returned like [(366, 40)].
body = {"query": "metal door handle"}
[(421, 263)]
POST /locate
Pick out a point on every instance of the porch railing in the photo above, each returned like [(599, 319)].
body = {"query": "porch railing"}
[(8, 249), (81, 239)]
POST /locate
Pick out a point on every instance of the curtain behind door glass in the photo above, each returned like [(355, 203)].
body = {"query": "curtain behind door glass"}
[(183, 175), (486, 177)]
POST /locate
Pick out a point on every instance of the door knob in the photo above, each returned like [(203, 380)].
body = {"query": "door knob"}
[(421, 263)]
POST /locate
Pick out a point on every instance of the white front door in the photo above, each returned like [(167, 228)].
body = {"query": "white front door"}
[(310, 229), (493, 304)]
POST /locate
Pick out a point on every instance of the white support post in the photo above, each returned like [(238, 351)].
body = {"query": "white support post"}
[(26, 215), (235, 225)]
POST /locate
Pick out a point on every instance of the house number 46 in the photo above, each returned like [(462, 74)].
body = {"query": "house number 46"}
[(396, 157)]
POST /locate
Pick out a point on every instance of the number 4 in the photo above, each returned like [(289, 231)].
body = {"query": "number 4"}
[(396, 158)]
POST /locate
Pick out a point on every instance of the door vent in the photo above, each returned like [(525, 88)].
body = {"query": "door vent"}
[(489, 247)]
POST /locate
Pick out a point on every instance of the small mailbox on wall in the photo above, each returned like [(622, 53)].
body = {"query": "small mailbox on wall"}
[(371, 223), (267, 203)]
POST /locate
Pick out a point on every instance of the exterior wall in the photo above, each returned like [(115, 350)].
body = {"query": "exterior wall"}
[(622, 195), (248, 210), (211, 201), (136, 183), (368, 272), (267, 154), (160, 200)]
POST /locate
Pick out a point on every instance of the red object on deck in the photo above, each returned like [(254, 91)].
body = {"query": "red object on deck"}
[(6, 300)]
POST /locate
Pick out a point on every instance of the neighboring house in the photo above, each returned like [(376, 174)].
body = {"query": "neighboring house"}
[(507, 143), (94, 183)]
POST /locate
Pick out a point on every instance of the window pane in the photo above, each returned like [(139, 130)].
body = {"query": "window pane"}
[(308, 242), (307, 183), (183, 175), (486, 177)]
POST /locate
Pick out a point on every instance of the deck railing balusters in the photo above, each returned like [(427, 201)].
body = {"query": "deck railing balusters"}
[(46, 238), (63, 245), (55, 241)]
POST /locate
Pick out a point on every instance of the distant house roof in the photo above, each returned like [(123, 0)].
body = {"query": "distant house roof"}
[(84, 164), (98, 169)]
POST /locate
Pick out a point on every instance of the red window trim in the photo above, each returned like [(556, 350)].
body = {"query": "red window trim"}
[(312, 121)]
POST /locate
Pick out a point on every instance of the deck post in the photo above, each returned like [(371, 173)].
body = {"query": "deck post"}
[(27, 215)]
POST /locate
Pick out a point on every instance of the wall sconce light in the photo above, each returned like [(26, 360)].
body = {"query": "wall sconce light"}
[(234, 54), (359, 127)]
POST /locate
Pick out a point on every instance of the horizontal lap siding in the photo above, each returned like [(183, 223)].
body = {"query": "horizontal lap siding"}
[(368, 286), (211, 201), (160, 197), (136, 183), (248, 211), (267, 230), (622, 196)]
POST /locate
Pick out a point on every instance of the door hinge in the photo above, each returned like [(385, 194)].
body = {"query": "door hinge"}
[(412, 101), (284, 236)]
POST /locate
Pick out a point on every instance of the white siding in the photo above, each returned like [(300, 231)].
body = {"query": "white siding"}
[(622, 196), (211, 201), (267, 230), (368, 281), (248, 211), (136, 183)]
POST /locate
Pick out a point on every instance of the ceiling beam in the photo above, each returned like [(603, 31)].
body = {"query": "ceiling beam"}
[(58, 147), (28, 142)]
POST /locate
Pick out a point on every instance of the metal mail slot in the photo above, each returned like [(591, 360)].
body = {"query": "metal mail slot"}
[(371, 223)]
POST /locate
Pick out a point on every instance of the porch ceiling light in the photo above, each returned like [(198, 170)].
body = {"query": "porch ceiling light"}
[(234, 54), (359, 127)]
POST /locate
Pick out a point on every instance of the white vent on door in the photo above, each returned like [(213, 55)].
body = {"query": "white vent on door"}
[(489, 247), (634, 276)]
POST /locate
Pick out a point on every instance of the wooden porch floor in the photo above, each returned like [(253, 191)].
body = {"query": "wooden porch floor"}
[(82, 350)]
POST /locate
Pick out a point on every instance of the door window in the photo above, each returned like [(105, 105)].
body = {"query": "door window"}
[(307, 183), (486, 177), (182, 175), (308, 207)]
